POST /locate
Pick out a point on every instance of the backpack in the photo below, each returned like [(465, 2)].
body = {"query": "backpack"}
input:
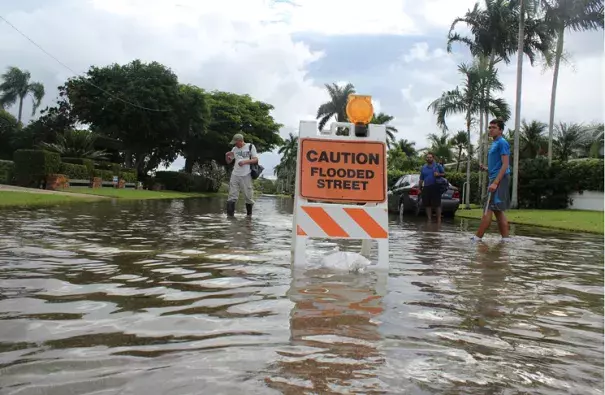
[(255, 168), (442, 182)]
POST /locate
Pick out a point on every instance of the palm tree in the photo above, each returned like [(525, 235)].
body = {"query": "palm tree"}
[(495, 35), (337, 104), (383, 119), (286, 169), (15, 86), (75, 144), (460, 141), (467, 100), (569, 140), (532, 140), (407, 147), (575, 15), (441, 145), (592, 146)]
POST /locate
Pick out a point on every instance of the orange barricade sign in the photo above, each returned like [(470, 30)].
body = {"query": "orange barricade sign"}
[(343, 171)]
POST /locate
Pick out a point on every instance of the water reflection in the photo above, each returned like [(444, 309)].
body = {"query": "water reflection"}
[(335, 338), (172, 297)]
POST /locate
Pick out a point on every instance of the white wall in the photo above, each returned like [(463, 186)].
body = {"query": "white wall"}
[(588, 200)]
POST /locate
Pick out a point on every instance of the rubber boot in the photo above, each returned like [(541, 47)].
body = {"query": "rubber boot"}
[(249, 209), (230, 209)]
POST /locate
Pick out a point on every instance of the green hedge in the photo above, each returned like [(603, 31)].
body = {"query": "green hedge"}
[(548, 187), (104, 165), (129, 175), (90, 165), (184, 182), (7, 168), (32, 166), (175, 180), (586, 175), (106, 175), (75, 172), (540, 186)]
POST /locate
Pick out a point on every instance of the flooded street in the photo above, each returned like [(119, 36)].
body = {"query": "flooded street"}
[(172, 297)]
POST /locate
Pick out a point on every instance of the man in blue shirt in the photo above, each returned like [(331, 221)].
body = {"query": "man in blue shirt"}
[(431, 191), (498, 172)]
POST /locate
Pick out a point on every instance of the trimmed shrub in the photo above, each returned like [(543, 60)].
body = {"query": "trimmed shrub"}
[(129, 175), (175, 180), (458, 180), (544, 186), (75, 172), (586, 175), (105, 175), (392, 177), (32, 166), (7, 168), (89, 163), (104, 165)]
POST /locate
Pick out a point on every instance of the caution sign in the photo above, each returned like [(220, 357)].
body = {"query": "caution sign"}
[(343, 171)]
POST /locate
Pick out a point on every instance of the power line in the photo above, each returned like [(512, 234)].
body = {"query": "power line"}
[(85, 80)]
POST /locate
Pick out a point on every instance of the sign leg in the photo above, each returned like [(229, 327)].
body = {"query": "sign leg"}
[(366, 247), (383, 254)]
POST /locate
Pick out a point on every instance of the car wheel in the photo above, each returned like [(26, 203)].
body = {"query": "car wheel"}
[(418, 208)]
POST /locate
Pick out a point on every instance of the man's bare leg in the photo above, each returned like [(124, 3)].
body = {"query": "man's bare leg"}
[(502, 223), (485, 223), (438, 209), (429, 213)]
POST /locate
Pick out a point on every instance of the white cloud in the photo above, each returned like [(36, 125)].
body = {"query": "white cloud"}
[(247, 46)]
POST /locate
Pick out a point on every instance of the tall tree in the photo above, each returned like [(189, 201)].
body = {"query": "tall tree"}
[(495, 32), (441, 145), (15, 86), (286, 169), (460, 141), (532, 139), (194, 119), (384, 119), (573, 15), (407, 147), (135, 105), (569, 139), (337, 105), (467, 101)]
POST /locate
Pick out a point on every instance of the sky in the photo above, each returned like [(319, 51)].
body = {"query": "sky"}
[(284, 51)]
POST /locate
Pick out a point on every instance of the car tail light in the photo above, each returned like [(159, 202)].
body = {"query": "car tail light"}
[(456, 195), (414, 191)]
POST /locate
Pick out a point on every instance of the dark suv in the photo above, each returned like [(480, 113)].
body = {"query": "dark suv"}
[(405, 197)]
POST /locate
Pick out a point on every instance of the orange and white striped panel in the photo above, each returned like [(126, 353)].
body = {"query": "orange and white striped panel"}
[(342, 222)]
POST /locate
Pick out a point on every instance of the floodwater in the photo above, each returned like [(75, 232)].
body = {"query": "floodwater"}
[(171, 297)]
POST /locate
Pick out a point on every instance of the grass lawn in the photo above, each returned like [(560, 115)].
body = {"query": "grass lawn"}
[(137, 194), (574, 220), (27, 199)]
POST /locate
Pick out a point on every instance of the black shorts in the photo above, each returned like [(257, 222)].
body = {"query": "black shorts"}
[(431, 196)]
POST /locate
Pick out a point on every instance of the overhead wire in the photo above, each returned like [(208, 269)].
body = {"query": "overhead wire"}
[(84, 79)]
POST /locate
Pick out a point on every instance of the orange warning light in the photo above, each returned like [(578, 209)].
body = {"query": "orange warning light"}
[(359, 109)]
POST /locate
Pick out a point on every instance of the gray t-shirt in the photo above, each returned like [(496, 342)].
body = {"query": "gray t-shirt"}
[(243, 153)]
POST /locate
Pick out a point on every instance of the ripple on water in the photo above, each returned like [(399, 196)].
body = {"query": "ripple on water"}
[(172, 297)]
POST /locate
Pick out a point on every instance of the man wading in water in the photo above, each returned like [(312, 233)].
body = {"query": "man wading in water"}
[(431, 190), (498, 172), (241, 179)]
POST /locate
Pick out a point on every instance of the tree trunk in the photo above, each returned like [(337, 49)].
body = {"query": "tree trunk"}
[(515, 198), (553, 94), (468, 164), (189, 165), (459, 158), (481, 132), (20, 108), (485, 142)]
